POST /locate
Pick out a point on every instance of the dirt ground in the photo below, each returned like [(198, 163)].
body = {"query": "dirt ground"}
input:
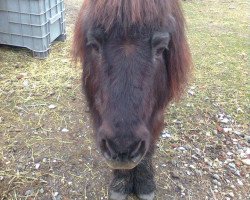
[(46, 145)]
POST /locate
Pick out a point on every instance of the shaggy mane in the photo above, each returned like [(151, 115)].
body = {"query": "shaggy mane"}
[(148, 13), (129, 12)]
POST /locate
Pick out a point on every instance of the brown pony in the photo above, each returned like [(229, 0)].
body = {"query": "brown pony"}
[(135, 60)]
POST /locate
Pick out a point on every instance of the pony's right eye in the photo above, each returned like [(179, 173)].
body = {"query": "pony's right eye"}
[(95, 40)]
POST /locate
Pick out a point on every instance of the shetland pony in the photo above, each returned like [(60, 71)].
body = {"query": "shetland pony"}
[(135, 60)]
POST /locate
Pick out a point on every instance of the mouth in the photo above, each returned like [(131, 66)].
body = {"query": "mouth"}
[(113, 164)]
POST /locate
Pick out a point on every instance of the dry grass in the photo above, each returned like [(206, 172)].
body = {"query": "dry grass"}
[(31, 133)]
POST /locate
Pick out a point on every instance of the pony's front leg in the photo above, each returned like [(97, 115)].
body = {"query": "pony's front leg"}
[(139, 181), (144, 184), (121, 185)]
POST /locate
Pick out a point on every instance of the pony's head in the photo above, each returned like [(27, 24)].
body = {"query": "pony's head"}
[(135, 60)]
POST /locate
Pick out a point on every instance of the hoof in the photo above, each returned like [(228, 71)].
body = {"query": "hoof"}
[(117, 196), (147, 196)]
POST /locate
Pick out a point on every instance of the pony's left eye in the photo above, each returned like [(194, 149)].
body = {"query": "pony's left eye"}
[(159, 51), (160, 42)]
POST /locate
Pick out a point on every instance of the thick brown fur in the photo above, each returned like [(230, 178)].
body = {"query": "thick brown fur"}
[(127, 83)]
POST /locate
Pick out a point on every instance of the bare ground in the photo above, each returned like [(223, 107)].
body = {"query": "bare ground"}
[(46, 145)]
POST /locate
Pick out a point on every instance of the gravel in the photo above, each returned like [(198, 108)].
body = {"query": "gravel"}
[(216, 182), (52, 106), (29, 192), (64, 130), (246, 161), (247, 139), (216, 176)]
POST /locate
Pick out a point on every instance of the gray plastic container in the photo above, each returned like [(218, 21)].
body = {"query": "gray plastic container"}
[(33, 24)]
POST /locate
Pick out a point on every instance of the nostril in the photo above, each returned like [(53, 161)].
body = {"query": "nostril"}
[(138, 151), (108, 150)]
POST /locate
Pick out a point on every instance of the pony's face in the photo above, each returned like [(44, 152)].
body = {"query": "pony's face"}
[(135, 60), (127, 88)]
